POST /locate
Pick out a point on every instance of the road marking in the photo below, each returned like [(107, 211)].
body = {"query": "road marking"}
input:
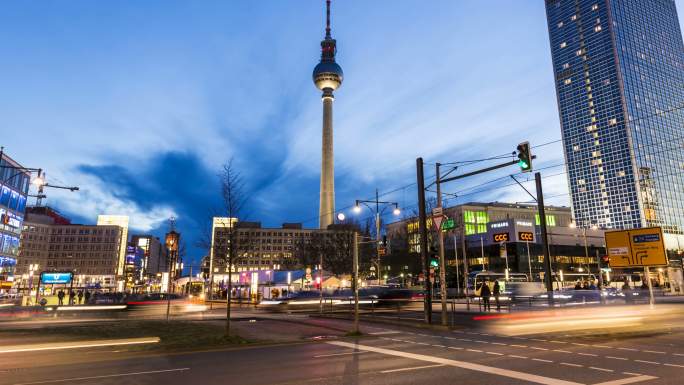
[(339, 354), (105, 376), (601, 369), (519, 346), (384, 332), (465, 340), (538, 340), (561, 351), (653, 351), (481, 342), (78, 344), (588, 354), (674, 365), (439, 346), (474, 350), (450, 338), (579, 344), (617, 358), (460, 364), (498, 343), (630, 380), (573, 365), (648, 362), (455, 348), (537, 348), (541, 360), (558, 342), (413, 368), (495, 353), (678, 354), (631, 350), (602, 346), (421, 343), (514, 356)]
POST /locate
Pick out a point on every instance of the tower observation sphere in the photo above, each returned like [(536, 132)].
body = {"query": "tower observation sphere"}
[(327, 75)]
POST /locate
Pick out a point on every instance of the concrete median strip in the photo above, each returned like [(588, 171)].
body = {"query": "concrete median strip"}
[(77, 344), (484, 368)]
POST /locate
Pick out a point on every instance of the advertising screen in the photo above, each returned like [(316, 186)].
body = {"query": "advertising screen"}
[(56, 278)]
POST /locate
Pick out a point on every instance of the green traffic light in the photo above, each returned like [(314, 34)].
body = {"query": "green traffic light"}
[(523, 164), (434, 263)]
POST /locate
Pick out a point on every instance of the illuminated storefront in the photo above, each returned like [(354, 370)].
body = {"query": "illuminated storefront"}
[(14, 185)]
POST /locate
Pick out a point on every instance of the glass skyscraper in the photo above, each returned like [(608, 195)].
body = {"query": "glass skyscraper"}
[(619, 75)]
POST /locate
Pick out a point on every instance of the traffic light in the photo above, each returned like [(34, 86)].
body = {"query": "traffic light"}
[(434, 261), (524, 157)]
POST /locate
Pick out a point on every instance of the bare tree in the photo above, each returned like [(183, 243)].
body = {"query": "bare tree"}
[(234, 200)]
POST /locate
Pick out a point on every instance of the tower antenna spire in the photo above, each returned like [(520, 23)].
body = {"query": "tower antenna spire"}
[(327, 19)]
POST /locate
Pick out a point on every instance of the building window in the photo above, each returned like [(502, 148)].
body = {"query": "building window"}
[(567, 81), (597, 28), (594, 7)]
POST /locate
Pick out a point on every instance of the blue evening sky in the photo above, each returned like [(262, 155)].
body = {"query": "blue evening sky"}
[(140, 102)]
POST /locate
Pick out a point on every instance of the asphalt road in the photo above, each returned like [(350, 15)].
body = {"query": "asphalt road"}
[(387, 355)]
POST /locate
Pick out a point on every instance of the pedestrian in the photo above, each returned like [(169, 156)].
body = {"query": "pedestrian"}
[(87, 297), (497, 293), (60, 297), (485, 293), (72, 295), (578, 285), (80, 296)]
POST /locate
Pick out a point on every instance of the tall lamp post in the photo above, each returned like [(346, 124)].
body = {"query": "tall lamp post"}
[(378, 210), (586, 249), (32, 269)]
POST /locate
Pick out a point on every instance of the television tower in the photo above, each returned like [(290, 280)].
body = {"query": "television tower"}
[(327, 75)]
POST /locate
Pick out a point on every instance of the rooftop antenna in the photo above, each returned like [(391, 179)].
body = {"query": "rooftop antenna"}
[(327, 19)]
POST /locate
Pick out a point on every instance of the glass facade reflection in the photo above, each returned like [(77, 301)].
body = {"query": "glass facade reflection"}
[(620, 87), (14, 185)]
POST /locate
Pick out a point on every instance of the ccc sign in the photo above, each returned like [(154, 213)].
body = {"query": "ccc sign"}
[(526, 236), (501, 237)]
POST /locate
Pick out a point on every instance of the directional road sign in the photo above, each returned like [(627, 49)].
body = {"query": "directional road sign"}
[(636, 248)]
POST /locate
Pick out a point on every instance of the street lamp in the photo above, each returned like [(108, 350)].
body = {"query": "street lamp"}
[(340, 217), (586, 249), (378, 212)]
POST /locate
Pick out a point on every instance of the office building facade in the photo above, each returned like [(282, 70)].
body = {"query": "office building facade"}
[(14, 186), (619, 77)]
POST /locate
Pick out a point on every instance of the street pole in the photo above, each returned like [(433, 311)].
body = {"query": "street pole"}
[(647, 277), (377, 232), (482, 252), (442, 265), (427, 304), (355, 269), (320, 285), (545, 242), (598, 261), (529, 260), (458, 283), (465, 267)]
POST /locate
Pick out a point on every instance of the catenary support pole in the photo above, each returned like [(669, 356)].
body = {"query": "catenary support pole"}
[(427, 304), (548, 279)]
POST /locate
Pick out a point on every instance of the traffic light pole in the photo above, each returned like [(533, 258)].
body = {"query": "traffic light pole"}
[(544, 238), (427, 304), (442, 265)]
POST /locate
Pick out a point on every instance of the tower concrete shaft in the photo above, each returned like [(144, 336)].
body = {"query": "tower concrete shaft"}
[(326, 209)]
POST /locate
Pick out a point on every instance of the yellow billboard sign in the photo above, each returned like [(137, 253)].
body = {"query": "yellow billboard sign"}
[(636, 248)]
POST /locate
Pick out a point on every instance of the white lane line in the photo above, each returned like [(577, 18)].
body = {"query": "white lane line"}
[(573, 365), (455, 348), (538, 340), (339, 354), (105, 376), (631, 350), (561, 351), (439, 346), (474, 350), (519, 346), (537, 348), (460, 364), (558, 342), (450, 338), (515, 356), (465, 340), (617, 358), (498, 343), (413, 368), (422, 343), (588, 354), (602, 346), (674, 365), (78, 344), (678, 354), (632, 374), (541, 360), (601, 369), (481, 342), (629, 380), (579, 344), (385, 332), (653, 351), (647, 362), (495, 353)]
